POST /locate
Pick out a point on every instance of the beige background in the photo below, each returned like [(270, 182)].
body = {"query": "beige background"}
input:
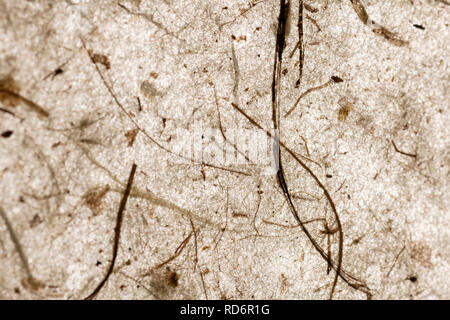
[(61, 177)]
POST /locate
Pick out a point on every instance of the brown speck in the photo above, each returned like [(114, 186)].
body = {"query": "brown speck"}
[(284, 282), (94, 199), (336, 79), (100, 58), (172, 279), (343, 113), (32, 284), (131, 136), (35, 221), (148, 90), (421, 252), (7, 134), (390, 36), (346, 107), (8, 83)]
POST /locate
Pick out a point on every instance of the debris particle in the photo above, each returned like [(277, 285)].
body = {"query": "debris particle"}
[(7, 134), (422, 254), (376, 28), (343, 113), (10, 97), (346, 107), (35, 221), (314, 22), (360, 11), (310, 8), (402, 152), (284, 283), (139, 104), (117, 231), (131, 136), (33, 284), (57, 72), (148, 90), (10, 85), (7, 111), (100, 58), (419, 26), (94, 199), (172, 278), (390, 36), (309, 91), (240, 38), (29, 282), (54, 73)]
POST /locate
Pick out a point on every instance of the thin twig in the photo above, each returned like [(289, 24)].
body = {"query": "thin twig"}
[(395, 261), (117, 233), (402, 152), (7, 111), (348, 278), (300, 40), (196, 258), (28, 102), (177, 251), (17, 244), (305, 94)]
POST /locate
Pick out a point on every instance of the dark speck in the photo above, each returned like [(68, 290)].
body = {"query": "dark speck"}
[(419, 26), (336, 79), (172, 279), (7, 134), (58, 71)]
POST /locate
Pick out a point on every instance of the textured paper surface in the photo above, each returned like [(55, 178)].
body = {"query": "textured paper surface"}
[(378, 141)]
